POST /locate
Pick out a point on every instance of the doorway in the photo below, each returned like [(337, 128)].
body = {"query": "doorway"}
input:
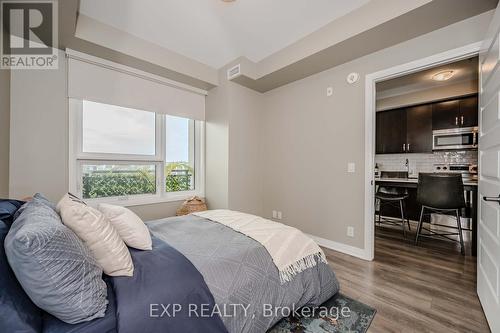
[(427, 122), (410, 108), (406, 70)]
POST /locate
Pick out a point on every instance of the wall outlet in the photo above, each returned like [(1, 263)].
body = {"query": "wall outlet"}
[(350, 231), (351, 167), (275, 214), (280, 215)]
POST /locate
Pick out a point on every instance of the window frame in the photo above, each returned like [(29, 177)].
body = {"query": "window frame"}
[(77, 158)]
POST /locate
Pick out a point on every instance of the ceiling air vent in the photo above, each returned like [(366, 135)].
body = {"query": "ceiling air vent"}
[(233, 72)]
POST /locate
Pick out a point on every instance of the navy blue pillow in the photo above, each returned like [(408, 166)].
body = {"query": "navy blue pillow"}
[(17, 311), (7, 210)]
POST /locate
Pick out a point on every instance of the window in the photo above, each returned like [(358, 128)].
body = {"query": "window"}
[(113, 129), (115, 180), (133, 156), (179, 161)]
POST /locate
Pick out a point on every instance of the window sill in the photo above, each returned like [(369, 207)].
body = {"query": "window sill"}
[(138, 201)]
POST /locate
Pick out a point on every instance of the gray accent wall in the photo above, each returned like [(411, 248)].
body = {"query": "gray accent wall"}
[(288, 149), (310, 138)]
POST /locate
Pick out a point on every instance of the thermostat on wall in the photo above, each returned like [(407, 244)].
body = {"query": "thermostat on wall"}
[(352, 78)]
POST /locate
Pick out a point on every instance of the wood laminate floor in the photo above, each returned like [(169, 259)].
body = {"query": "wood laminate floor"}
[(425, 288)]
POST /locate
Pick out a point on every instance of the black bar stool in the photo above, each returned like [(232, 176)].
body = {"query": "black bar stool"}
[(394, 196), (441, 193)]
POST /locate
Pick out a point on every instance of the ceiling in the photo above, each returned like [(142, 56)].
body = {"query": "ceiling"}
[(214, 32), (464, 71)]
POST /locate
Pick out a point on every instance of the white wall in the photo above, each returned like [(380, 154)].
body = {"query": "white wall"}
[(4, 132), (233, 141), (217, 147), (246, 167), (309, 138), (38, 132)]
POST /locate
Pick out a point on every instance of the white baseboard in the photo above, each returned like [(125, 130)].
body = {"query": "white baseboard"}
[(340, 247)]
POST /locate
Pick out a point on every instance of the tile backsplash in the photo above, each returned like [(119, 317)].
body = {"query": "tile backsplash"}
[(423, 162)]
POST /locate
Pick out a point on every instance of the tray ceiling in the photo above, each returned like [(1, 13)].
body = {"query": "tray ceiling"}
[(214, 32)]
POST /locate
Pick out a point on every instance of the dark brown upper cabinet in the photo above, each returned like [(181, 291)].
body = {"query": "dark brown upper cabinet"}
[(419, 129), (469, 112), (455, 114), (390, 132), (409, 130), (445, 115), (405, 130)]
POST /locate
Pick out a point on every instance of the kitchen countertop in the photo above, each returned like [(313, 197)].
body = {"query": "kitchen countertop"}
[(415, 180)]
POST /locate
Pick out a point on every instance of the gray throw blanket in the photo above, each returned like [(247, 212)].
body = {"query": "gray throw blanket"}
[(241, 274)]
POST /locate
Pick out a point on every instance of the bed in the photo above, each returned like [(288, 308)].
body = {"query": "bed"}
[(197, 261)]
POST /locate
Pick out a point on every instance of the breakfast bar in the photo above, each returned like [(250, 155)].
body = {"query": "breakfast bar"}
[(470, 187)]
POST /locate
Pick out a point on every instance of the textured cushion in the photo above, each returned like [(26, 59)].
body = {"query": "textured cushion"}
[(8, 209), (17, 311), (98, 234), (129, 226), (39, 198), (54, 267)]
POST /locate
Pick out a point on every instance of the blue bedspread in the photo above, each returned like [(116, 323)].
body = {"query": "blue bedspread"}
[(106, 324), (163, 278), (203, 263)]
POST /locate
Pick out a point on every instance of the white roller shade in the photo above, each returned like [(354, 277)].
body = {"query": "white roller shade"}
[(100, 82)]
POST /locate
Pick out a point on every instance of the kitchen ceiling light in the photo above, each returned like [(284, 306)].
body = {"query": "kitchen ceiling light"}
[(443, 75)]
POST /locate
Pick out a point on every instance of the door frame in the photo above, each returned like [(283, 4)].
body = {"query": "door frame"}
[(453, 55)]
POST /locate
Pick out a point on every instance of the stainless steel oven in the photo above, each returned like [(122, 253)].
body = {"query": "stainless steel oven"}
[(455, 138), (468, 171)]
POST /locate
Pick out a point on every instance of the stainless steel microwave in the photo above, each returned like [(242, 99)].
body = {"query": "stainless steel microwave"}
[(455, 138)]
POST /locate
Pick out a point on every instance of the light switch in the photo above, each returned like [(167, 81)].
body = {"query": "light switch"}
[(351, 167), (280, 216), (275, 214), (329, 91)]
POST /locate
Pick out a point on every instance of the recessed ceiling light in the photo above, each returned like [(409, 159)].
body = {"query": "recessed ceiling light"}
[(443, 75)]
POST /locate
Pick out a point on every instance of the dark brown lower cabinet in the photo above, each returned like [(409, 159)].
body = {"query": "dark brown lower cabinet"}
[(412, 208)]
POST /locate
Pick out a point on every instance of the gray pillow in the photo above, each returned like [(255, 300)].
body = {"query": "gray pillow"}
[(54, 267), (37, 197)]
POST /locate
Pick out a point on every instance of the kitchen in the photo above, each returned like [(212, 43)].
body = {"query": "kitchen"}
[(427, 124)]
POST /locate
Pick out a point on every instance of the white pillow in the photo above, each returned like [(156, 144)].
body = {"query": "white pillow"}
[(129, 226), (98, 234)]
